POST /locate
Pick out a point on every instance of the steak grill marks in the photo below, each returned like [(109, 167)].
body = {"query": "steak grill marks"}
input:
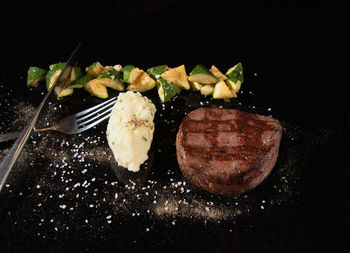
[(214, 137)]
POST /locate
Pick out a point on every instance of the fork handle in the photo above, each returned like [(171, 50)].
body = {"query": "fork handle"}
[(14, 135), (9, 136)]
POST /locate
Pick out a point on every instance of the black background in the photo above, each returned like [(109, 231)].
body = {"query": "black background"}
[(298, 42), (291, 46)]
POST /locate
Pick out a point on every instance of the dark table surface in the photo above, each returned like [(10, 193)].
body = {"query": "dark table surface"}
[(64, 194)]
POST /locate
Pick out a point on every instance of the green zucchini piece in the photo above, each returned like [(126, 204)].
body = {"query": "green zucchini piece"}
[(76, 73), (201, 74), (80, 82), (112, 74), (235, 73), (235, 77), (53, 74), (63, 92), (66, 87), (112, 79), (166, 90), (195, 86), (95, 88), (178, 76), (217, 73), (234, 86), (66, 92), (143, 82), (59, 65), (207, 89), (129, 72), (156, 71), (222, 91), (35, 75), (95, 69), (112, 84)]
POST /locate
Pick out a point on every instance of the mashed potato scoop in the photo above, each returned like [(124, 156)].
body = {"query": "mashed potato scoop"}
[(130, 129)]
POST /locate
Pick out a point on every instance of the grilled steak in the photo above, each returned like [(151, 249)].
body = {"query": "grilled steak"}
[(226, 151)]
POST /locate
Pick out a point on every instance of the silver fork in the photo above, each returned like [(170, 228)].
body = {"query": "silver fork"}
[(75, 123)]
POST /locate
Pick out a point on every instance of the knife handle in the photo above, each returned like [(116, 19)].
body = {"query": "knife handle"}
[(11, 157)]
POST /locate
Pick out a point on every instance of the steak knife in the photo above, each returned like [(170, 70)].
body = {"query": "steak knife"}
[(11, 157)]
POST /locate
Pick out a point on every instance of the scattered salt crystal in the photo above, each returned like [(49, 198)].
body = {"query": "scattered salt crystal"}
[(63, 206)]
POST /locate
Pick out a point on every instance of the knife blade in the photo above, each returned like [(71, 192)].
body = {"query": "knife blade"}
[(8, 162)]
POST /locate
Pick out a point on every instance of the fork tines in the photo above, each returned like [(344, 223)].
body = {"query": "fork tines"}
[(94, 115)]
